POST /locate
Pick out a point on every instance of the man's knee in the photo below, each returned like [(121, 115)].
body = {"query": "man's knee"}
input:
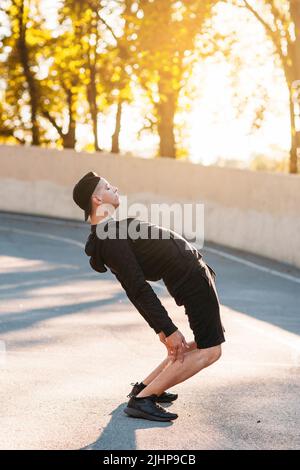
[(192, 346), (214, 353)]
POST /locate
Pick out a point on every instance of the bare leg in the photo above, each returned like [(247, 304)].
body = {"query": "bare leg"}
[(164, 363), (178, 372)]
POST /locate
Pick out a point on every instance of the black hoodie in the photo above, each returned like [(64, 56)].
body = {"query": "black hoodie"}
[(164, 254)]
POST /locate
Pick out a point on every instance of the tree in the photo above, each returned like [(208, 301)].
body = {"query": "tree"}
[(19, 70), (281, 22), (104, 56), (166, 33), (124, 60)]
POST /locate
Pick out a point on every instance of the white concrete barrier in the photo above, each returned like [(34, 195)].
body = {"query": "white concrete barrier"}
[(254, 211)]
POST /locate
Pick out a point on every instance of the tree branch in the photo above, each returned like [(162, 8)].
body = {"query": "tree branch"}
[(5, 132), (270, 32), (47, 115), (108, 27)]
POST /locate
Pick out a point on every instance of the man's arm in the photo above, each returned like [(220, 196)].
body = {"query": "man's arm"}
[(139, 308), (119, 257)]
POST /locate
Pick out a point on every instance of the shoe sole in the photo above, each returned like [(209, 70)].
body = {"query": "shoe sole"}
[(141, 414)]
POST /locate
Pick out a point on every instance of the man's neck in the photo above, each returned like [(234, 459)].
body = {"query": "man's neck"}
[(97, 219)]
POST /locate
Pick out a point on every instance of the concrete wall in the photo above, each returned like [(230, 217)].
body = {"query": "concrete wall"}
[(254, 211)]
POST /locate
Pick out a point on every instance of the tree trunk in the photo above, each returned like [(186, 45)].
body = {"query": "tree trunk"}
[(115, 147), (293, 167), (92, 98), (166, 112), (289, 78), (69, 140), (32, 88), (295, 72), (92, 86)]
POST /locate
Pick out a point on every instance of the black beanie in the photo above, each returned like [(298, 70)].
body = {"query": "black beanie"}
[(83, 190)]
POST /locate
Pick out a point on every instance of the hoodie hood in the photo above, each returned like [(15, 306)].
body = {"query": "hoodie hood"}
[(92, 249), (93, 244)]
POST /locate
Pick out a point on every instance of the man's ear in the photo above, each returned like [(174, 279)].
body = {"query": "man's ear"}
[(97, 200)]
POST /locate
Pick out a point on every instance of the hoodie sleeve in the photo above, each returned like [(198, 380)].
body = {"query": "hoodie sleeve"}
[(119, 257), (139, 308)]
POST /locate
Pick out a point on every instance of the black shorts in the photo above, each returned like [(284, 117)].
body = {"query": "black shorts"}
[(202, 307)]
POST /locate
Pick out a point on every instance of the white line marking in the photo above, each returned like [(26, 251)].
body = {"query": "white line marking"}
[(45, 235), (273, 335), (44, 220), (289, 277)]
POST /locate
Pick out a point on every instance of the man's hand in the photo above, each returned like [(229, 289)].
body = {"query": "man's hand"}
[(175, 344), (162, 337)]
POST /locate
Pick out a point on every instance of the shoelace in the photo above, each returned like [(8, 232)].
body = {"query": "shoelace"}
[(130, 394)]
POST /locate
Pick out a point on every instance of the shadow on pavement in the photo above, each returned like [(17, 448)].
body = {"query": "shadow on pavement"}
[(119, 433)]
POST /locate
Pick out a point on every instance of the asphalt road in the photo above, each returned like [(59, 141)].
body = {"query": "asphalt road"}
[(71, 343)]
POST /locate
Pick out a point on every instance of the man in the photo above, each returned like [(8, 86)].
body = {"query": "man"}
[(187, 277)]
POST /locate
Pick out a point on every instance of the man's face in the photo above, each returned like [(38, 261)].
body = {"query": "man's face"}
[(106, 193)]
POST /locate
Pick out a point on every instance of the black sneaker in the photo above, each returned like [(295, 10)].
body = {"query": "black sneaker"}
[(145, 407), (165, 397)]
